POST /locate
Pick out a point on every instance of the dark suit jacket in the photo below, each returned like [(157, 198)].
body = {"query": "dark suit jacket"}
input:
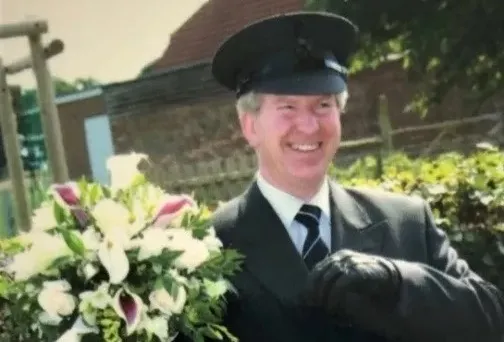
[(441, 298)]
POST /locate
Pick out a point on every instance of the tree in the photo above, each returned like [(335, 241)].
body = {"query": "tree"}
[(61, 87), (443, 44)]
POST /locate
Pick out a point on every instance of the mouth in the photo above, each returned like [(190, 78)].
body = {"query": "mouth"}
[(305, 147)]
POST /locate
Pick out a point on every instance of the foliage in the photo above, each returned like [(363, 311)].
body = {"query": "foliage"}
[(442, 43), (61, 87), (466, 194), (125, 262)]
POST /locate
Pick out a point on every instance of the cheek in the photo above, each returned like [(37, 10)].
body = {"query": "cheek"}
[(331, 127), (275, 130)]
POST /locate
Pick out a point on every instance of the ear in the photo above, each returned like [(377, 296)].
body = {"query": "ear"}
[(248, 127)]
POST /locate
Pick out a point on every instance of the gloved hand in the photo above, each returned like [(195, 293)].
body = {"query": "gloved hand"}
[(347, 278)]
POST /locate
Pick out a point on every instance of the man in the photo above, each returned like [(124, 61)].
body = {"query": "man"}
[(325, 263)]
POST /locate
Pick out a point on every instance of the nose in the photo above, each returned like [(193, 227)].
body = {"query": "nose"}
[(308, 123)]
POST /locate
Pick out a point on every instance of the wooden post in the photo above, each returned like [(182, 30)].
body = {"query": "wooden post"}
[(385, 125), (48, 112), (23, 29), (385, 134), (52, 49), (12, 153)]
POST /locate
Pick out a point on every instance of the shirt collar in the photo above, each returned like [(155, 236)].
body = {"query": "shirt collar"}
[(286, 205)]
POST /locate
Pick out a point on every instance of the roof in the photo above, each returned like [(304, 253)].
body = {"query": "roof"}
[(173, 87), (198, 38)]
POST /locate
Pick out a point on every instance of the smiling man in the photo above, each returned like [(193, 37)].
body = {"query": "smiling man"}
[(323, 262)]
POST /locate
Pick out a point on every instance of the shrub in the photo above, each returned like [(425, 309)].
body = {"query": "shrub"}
[(466, 194)]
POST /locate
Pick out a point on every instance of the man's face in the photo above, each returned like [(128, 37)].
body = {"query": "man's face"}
[(295, 137)]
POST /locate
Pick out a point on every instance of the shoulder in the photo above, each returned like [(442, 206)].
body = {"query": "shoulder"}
[(388, 204), (226, 215)]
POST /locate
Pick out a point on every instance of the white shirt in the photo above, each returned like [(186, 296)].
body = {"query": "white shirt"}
[(287, 206)]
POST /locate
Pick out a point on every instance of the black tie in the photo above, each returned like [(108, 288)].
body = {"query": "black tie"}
[(314, 248)]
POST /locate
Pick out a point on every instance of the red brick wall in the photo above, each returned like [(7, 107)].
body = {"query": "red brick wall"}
[(208, 130)]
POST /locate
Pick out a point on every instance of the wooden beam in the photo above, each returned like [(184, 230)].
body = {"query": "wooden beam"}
[(24, 28), (12, 149), (54, 48), (48, 112)]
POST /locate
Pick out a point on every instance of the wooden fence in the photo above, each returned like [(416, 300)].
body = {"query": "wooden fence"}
[(222, 179)]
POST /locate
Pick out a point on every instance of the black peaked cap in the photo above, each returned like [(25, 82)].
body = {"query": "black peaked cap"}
[(292, 53)]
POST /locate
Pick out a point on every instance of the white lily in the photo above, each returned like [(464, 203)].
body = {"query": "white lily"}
[(113, 257), (129, 307), (110, 215), (123, 169)]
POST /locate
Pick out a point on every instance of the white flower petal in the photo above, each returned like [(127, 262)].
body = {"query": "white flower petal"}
[(110, 214), (114, 259), (161, 300), (54, 300), (157, 326)]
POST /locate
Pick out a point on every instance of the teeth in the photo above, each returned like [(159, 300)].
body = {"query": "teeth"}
[(305, 147)]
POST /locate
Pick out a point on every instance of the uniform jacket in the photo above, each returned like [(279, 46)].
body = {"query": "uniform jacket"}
[(441, 298)]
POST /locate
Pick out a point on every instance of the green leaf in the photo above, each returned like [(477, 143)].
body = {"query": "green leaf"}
[(212, 333), (59, 213), (95, 193)]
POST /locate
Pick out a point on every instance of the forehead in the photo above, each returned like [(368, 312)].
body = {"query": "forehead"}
[(272, 98)]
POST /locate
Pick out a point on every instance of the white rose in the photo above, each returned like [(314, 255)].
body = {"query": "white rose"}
[(54, 299), (195, 251), (43, 218), (162, 300), (152, 243), (44, 250)]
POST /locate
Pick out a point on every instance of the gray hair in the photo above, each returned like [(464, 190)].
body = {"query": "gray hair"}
[(251, 102)]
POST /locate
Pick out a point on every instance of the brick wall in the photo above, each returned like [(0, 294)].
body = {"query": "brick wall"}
[(206, 130)]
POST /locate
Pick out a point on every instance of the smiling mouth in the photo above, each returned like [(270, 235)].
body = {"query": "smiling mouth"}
[(305, 147)]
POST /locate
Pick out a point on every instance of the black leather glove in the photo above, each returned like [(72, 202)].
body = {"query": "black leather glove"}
[(347, 278)]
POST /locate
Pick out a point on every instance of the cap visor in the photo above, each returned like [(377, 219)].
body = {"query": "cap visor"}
[(303, 84)]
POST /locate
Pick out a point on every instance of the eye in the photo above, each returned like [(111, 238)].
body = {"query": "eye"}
[(286, 107)]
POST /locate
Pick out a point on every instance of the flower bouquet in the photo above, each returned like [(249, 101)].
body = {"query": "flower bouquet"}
[(125, 262)]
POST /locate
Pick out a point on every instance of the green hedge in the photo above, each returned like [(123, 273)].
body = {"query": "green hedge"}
[(466, 194)]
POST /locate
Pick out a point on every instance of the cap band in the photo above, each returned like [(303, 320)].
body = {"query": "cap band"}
[(288, 64)]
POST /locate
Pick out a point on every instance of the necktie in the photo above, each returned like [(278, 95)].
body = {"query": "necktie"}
[(314, 248)]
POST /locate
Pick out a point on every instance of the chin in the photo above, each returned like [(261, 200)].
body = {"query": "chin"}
[(308, 174)]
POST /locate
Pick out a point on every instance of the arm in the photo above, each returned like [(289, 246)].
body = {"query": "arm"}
[(445, 298), (440, 299)]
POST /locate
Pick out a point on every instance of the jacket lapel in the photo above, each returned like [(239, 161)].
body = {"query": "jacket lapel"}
[(270, 255), (352, 226)]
